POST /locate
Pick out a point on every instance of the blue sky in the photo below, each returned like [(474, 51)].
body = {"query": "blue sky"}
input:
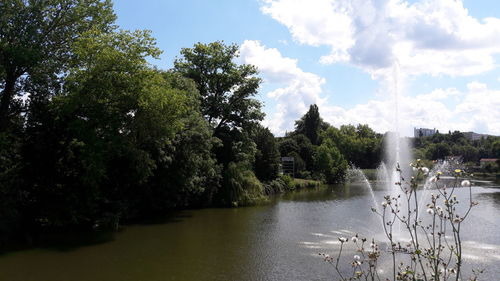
[(342, 54)]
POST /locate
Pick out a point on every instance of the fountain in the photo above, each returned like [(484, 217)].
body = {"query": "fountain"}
[(357, 174), (397, 156)]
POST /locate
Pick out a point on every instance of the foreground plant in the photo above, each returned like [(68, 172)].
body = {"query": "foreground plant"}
[(433, 249)]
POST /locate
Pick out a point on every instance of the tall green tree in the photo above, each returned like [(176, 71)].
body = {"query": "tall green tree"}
[(330, 162), (310, 124), (106, 136), (226, 88), (36, 38), (267, 157)]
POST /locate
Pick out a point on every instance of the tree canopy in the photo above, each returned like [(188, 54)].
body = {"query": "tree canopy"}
[(36, 40), (226, 89)]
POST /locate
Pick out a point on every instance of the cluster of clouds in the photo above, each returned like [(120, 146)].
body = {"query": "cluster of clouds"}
[(424, 38), (475, 109), (427, 37)]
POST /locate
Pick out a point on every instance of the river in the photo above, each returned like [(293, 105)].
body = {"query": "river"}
[(277, 241)]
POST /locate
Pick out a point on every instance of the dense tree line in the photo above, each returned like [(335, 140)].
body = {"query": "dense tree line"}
[(438, 146), (92, 135), (324, 152)]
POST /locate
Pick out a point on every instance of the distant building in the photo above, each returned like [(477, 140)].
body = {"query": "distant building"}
[(474, 136), (423, 132), (484, 161), (288, 166)]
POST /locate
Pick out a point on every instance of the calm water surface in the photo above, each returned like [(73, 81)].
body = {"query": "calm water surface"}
[(278, 241)]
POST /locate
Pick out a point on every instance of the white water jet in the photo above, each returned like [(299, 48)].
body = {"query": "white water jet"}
[(424, 193), (397, 149), (357, 174)]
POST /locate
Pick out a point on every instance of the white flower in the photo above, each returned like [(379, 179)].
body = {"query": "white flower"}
[(433, 179), (372, 245), (415, 169), (425, 170), (354, 239), (342, 239), (357, 258), (384, 204), (430, 211), (465, 183)]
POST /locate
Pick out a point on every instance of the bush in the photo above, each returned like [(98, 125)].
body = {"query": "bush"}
[(242, 186), (275, 186)]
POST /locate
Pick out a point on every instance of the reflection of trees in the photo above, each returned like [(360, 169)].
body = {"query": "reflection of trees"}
[(329, 193), (493, 197)]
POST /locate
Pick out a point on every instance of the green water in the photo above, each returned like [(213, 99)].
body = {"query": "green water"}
[(277, 241)]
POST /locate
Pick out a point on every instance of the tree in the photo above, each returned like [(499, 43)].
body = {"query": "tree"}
[(267, 158), (310, 124), (360, 145), (36, 40), (106, 136), (287, 146), (496, 149), (438, 151), (330, 162), (306, 150), (226, 89)]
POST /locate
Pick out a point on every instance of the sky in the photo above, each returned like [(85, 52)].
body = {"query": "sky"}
[(427, 63)]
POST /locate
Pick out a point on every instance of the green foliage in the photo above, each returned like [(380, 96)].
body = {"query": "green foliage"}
[(275, 186), (302, 183), (287, 146), (287, 180), (306, 150), (267, 157), (116, 117), (455, 143), (321, 151), (301, 148), (330, 162), (242, 186), (226, 89), (438, 151), (310, 124), (226, 92), (36, 45), (360, 145), (496, 149)]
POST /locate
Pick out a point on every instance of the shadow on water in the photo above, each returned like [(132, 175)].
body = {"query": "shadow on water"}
[(493, 196), (72, 240), (170, 217), (63, 241)]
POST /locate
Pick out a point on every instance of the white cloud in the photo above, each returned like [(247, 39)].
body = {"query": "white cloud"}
[(297, 88), (388, 38), (426, 37), (323, 22), (475, 109)]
